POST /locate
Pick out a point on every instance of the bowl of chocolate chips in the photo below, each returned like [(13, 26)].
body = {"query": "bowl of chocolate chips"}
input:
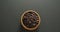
[(30, 20)]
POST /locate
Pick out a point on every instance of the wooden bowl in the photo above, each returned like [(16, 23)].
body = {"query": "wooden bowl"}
[(30, 20)]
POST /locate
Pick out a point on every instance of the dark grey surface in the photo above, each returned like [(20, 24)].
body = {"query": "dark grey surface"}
[(11, 10)]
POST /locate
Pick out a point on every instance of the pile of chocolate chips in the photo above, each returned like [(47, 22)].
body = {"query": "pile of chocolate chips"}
[(30, 19)]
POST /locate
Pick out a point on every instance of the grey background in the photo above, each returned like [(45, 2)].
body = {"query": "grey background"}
[(11, 10)]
